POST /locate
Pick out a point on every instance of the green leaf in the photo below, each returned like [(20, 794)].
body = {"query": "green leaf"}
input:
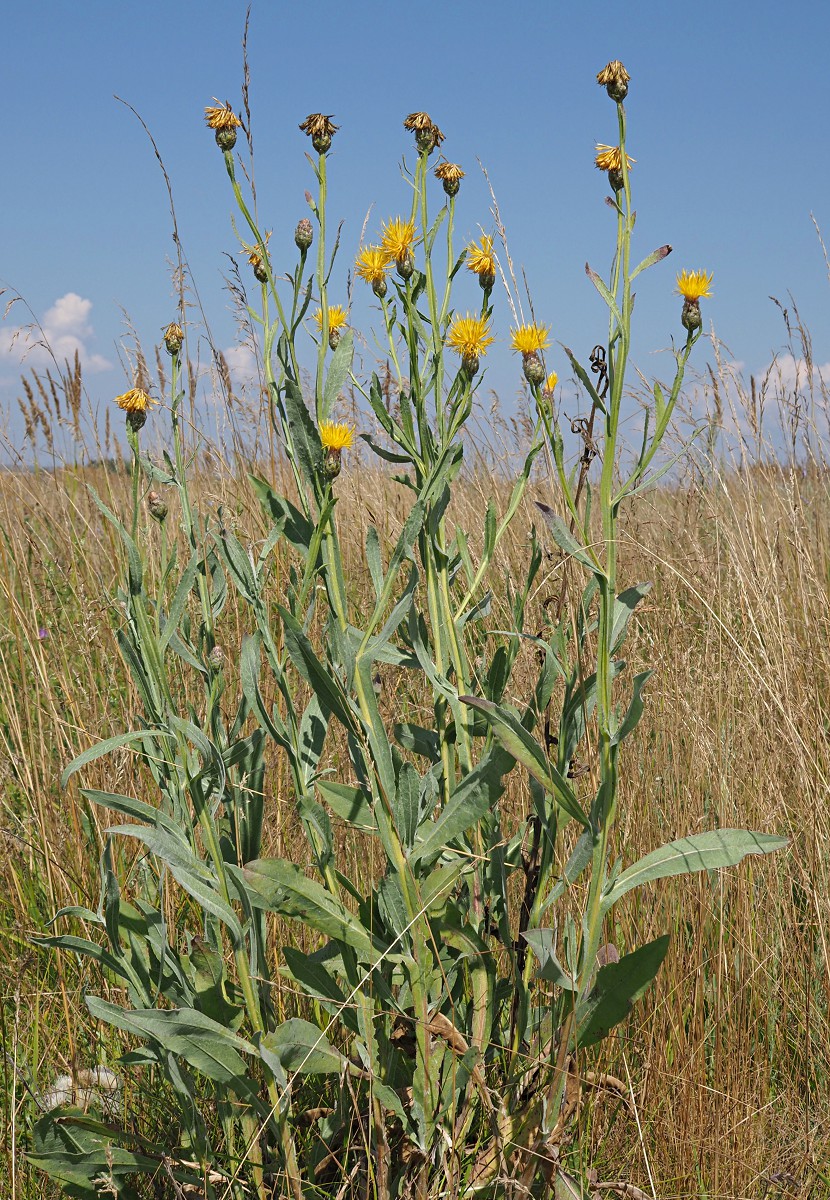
[(307, 445), (206, 1045), (701, 852), (106, 747), (565, 540), (302, 654), (475, 795), (618, 986), (624, 606), (281, 887), (656, 256), (373, 559), (516, 740), (338, 372), (541, 942), (635, 708), (349, 803), (135, 565), (603, 290), (189, 872), (406, 805), (303, 1048), (296, 527), (183, 590), (316, 981)]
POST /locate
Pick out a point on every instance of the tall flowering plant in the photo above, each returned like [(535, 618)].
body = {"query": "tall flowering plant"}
[(436, 1040)]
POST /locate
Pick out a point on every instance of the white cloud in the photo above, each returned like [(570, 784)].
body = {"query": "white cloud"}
[(64, 329), (789, 374), (242, 364)]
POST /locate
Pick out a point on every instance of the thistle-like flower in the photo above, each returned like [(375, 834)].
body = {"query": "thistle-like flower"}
[(693, 286), (370, 266), (321, 129), (450, 175), (470, 337), (482, 262), (397, 240), (528, 339), (224, 121), (614, 78), (338, 318), (550, 384), (336, 438)]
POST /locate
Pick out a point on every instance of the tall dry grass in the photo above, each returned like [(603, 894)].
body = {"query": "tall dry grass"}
[(724, 1069)]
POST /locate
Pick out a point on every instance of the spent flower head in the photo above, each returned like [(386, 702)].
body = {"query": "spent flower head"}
[(609, 158), (321, 129), (427, 135), (482, 261), (135, 404), (614, 78), (257, 257), (224, 122), (450, 175), (528, 339), (173, 338)]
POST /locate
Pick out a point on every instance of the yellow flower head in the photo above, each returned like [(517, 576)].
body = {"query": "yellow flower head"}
[(527, 339), (135, 400), (222, 117), (371, 264), (397, 239), (694, 285), (470, 336), (337, 317), (550, 383), (336, 436), (609, 158), (480, 258)]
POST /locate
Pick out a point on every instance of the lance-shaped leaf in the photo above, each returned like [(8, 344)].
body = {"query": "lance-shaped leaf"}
[(516, 740), (603, 290), (617, 987), (565, 540), (656, 256), (635, 708), (307, 444), (541, 942), (281, 887), (338, 372), (475, 795), (700, 852), (209, 1047)]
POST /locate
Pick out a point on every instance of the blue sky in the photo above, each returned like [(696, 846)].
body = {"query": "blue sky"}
[(727, 121)]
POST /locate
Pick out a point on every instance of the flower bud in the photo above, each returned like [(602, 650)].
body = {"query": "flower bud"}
[(157, 507), (216, 658), (534, 371), (379, 287), (331, 463), (405, 265), (690, 318), (304, 234)]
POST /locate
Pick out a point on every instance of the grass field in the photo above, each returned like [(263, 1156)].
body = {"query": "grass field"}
[(724, 1064)]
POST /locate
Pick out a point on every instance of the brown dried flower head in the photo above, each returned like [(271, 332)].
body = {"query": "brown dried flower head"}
[(614, 78), (224, 122), (173, 338), (321, 129), (450, 175), (418, 121)]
